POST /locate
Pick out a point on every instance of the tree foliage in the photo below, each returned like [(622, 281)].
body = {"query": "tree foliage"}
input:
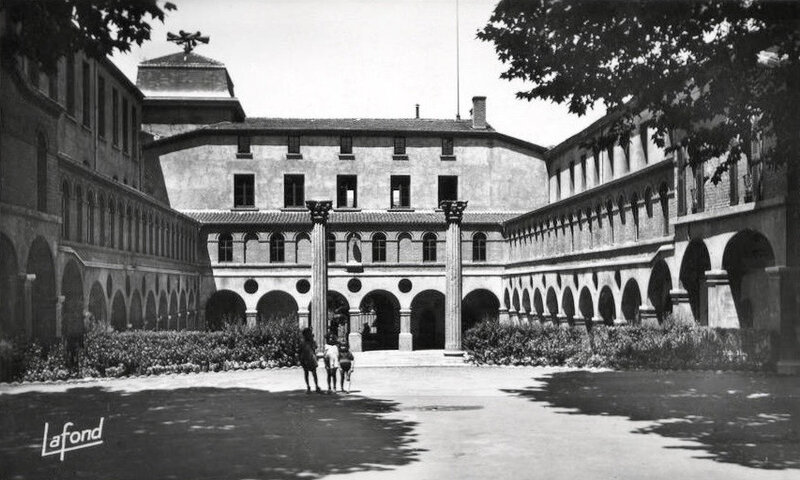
[(717, 73), (46, 30)]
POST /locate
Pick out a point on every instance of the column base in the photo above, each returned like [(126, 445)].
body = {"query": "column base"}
[(354, 339), (303, 319), (405, 342), (598, 322), (562, 321), (251, 318), (620, 322), (648, 318), (453, 353), (578, 322)]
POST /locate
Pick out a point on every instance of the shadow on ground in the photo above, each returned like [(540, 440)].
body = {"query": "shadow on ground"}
[(746, 419), (198, 433)]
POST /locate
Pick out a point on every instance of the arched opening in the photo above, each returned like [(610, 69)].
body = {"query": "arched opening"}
[(526, 302), (163, 312), (119, 319), (380, 314), (585, 305), (97, 304), (405, 248), (303, 249), (538, 304), (331, 246), (277, 248), (65, 207), (568, 305), (606, 307), (150, 312), (224, 307), (552, 305), (515, 300), (173, 312), (746, 256), (276, 305), (249, 253), (427, 320), (136, 311), (43, 294), (41, 173), (658, 289), (191, 313), (506, 300), (429, 247), (10, 309), (479, 247), (182, 311), (338, 315), (225, 248), (479, 306), (631, 301), (353, 248), (72, 291), (695, 263), (379, 247)]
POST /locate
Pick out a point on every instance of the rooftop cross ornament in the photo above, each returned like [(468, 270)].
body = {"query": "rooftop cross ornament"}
[(188, 40)]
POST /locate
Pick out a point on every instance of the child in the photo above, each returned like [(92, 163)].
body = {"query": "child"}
[(308, 358), (346, 361), (331, 361)]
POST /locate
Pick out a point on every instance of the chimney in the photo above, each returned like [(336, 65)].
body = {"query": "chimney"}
[(417, 105), (479, 112)]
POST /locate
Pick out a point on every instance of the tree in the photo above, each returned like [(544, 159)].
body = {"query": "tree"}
[(716, 73), (46, 30)]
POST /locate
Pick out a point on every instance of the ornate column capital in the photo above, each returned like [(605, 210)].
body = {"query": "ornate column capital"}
[(453, 210), (319, 210)]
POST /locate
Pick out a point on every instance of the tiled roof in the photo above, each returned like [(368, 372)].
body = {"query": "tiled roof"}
[(181, 59), (354, 124), (301, 217)]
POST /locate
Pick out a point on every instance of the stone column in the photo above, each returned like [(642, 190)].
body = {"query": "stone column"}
[(354, 338), (59, 315), (27, 298), (721, 308), (252, 318), (597, 321), (319, 270), (405, 339), (453, 213), (648, 317), (562, 320), (302, 319), (502, 316)]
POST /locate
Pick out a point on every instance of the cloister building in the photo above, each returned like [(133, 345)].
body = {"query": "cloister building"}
[(161, 205)]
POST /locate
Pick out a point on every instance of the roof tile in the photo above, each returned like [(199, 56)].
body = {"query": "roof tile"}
[(382, 217)]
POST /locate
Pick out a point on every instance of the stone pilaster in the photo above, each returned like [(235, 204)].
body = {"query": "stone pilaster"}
[(721, 308), (356, 325), (513, 316), (562, 320), (502, 316), (453, 213), (648, 317), (405, 339), (27, 298), (579, 322), (59, 315), (681, 308), (319, 269), (252, 318), (302, 319)]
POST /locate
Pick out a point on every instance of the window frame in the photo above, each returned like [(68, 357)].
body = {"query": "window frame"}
[(277, 248), (225, 250), (440, 197), (399, 145), (244, 194), (345, 145), (293, 144), (289, 181), (341, 198), (101, 107), (448, 147), (479, 247), (405, 181), (86, 95), (429, 241), (243, 145)]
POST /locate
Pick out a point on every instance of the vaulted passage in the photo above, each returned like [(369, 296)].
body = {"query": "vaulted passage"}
[(224, 307), (478, 306), (696, 262), (276, 305), (746, 256), (380, 314), (427, 320), (658, 289), (606, 307), (631, 300), (72, 291), (43, 292), (10, 306)]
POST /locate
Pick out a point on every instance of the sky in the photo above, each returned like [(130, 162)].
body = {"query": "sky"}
[(359, 59)]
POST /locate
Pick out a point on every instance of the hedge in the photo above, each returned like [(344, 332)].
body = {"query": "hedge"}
[(117, 354), (672, 347)]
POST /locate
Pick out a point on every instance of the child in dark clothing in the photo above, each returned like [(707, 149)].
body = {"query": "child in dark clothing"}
[(346, 361), (308, 358)]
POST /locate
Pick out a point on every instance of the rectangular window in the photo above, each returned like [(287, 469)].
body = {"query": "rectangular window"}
[(243, 190), (293, 191), (571, 178), (448, 188), (101, 107), (558, 184), (399, 145), (87, 97), (114, 116), (52, 85), (447, 146), (610, 153), (401, 191), (134, 133), (346, 145), (597, 178), (643, 140), (125, 126), (346, 191), (583, 172), (294, 144), (70, 74), (243, 144)]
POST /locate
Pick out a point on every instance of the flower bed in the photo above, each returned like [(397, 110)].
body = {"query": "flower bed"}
[(671, 347), (117, 354)]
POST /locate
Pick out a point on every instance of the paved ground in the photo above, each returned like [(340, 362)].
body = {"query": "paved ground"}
[(424, 422)]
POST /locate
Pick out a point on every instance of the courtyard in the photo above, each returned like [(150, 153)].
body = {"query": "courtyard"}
[(443, 421)]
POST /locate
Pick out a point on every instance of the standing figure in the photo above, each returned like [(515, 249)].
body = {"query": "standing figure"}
[(308, 358), (331, 361), (346, 362)]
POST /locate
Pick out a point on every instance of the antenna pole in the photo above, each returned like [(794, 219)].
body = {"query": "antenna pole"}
[(458, 71)]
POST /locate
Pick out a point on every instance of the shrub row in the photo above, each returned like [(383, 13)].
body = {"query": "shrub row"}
[(116, 354), (672, 347)]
